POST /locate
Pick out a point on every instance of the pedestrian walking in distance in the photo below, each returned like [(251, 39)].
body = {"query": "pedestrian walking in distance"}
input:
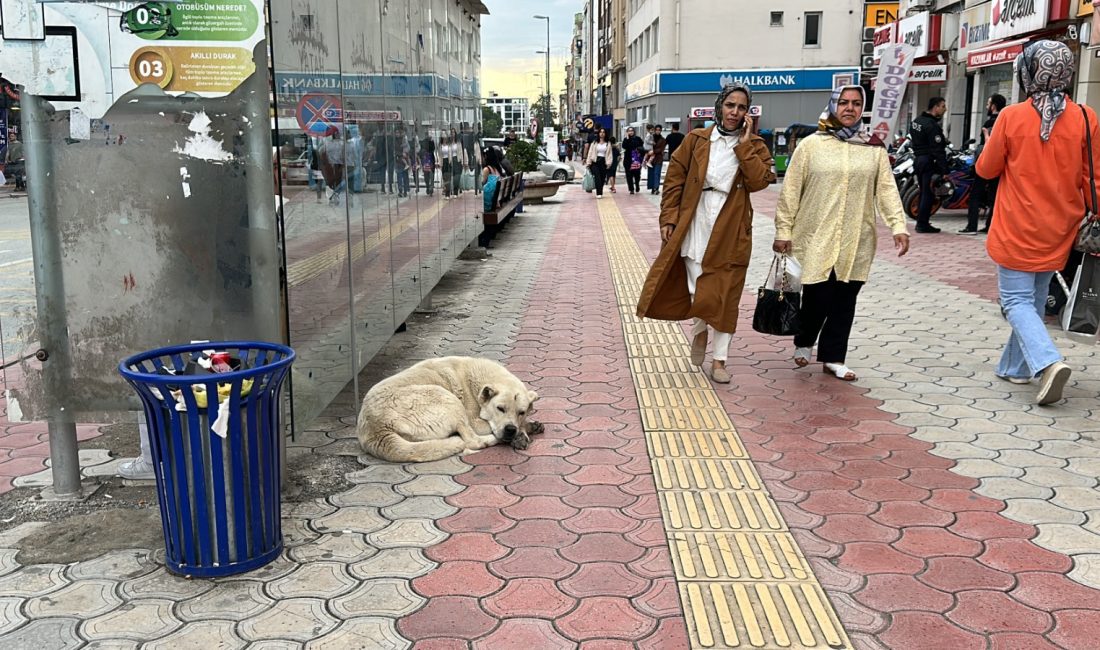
[(599, 160), (1038, 151), (633, 159), (838, 179), (706, 228)]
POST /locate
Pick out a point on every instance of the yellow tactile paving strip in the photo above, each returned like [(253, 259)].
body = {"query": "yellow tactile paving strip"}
[(743, 581)]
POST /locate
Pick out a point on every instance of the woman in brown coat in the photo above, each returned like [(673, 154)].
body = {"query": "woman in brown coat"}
[(706, 228)]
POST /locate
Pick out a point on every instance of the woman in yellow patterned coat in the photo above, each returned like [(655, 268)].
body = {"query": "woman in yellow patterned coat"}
[(837, 181)]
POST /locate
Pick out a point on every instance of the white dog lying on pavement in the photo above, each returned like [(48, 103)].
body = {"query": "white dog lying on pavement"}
[(441, 407)]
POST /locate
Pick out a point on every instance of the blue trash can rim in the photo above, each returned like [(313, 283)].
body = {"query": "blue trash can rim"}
[(128, 365)]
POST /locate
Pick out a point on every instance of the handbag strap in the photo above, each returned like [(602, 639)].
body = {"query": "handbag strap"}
[(1088, 143)]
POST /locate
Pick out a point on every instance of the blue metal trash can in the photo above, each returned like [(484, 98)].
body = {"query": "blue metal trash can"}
[(220, 499)]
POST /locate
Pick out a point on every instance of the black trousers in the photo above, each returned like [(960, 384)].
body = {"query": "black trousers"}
[(981, 195), (926, 168), (633, 178), (828, 309), (599, 170)]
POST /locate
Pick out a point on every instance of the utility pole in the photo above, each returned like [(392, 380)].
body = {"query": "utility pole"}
[(546, 117)]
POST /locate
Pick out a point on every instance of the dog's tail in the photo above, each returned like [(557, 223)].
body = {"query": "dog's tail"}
[(396, 449)]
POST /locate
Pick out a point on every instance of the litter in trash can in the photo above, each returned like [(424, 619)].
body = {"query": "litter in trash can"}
[(219, 495)]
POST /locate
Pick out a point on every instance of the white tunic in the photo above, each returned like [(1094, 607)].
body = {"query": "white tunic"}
[(721, 170)]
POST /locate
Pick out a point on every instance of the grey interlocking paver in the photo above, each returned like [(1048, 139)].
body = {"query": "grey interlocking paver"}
[(338, 546), (138, 620), (1086, 568), (162, 584), (308, 509), (982, 425), (396, 562), (408, 532), (1068, 539), (313, 580), (366, 632), (1000, 487), (1044, 433), (297, 619), (126, 564), (10, 537), (944, 434), (1040, 511), (10, 616), (53, 633), (351, 519), (963, 450), (200, 635), (1081, 499), (376, 495), (983, 468), (82, 599), (1028, 458), (430, 485), (297, 532), (7, 561), (452, 466), (233, 599), (414, 507), (34, 580), (378, 597), (384, 474), (1004, 441)]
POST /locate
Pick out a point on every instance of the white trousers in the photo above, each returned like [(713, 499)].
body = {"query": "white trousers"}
[(721, 340)]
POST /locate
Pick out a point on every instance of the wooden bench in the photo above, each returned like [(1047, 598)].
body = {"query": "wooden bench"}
[(509, 195)]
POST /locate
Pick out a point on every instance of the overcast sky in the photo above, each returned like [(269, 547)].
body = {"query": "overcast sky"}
[(509, 38)]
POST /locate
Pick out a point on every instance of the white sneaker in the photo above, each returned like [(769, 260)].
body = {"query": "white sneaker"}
[(1053, 380), (136, 469)]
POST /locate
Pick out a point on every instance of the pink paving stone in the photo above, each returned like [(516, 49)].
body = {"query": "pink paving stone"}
[(599, 547), (889, 489), (1017, 641), (921, 541), (599, 398), (540, 508), (855, 528), (645, 506), (459, 578), (597, 439), (476, 520), (989, 525), (497, 455), (489, 475), (932, 479), (661, 599), (650, 533), (924, 631), (593, 496), (596, 410), (805, 461), (671, 634), (524, 634), (898, 514), (656, 563), (601, 520), (599, 457), (963, 500), (600, 424), (833, 578), (898, 441), (542, 446), (602, 618), (488, 496), (834, 435), (827, 502), (855, 451), (543, 485), (954, 574), (478, 547), (810, 481), (442, 644), (869, 557), (447, 616), (913, 458), (12, 440), (16, 467), (535, 562), (865, 469), (641, 485), (1076, 628), (529, 597), (537, 532), (986, 612), (1051, 591), (1016, 555), (604, 579), (895, 593), (41, 449), (606, 644), (599, 475)]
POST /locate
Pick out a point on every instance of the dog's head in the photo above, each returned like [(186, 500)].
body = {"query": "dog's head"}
[(506, 408)]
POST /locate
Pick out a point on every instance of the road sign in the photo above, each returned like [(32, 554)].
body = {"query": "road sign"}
[(318, 113)]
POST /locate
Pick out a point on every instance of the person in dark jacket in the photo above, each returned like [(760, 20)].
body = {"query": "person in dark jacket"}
[(633, 159), (656, 159), (930, 149), (983, 190), (674, 139)]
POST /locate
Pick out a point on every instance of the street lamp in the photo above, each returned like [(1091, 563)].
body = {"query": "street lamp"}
[(547, 107)]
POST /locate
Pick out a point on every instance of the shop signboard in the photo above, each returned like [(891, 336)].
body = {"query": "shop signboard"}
[(916, 31), (643, 87), (928, 74), (974, 29), (884, 37), (893, 76), (760, 80), (996, 55), (877, 14), (1012, 17)]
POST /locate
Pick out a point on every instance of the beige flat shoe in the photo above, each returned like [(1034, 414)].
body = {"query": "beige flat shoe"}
[(699, 349), (720, 375), (1053, 380)]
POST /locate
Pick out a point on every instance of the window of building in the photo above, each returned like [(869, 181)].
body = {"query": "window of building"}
[(777, 19), (813, 29), (656, 35)]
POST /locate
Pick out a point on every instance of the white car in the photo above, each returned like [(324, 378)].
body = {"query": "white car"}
[(555, 170)]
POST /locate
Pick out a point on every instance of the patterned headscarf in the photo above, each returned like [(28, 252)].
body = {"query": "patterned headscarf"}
[(830, 124), (1045, 69), (726, 91)]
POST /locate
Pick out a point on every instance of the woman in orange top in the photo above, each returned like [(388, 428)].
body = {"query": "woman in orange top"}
[(1038, 149)]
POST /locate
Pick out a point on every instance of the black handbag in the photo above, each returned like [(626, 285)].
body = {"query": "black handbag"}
[(1088, 235), (776, 310)]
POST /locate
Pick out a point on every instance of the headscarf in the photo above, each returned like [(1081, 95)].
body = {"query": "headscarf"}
[(830, 124), (1045, 69), (727, 90)]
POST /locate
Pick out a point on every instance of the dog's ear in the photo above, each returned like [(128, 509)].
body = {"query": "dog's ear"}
[(487, 393), (532, 396)]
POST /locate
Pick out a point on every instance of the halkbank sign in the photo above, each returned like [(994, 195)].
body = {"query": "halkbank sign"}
[(781, 80)]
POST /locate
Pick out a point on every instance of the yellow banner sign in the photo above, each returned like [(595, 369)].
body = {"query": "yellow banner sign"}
[(192, 68), (880, 13)]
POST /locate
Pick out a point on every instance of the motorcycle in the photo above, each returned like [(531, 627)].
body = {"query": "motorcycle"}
[(903, 163), (951, 190)]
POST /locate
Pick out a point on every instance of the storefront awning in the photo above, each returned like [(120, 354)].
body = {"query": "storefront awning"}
[(996, 54)]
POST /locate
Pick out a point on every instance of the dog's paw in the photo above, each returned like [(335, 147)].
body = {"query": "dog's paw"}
[(535, 428), (521, 441)]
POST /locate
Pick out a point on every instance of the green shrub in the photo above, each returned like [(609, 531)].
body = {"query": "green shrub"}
[(524, 156)]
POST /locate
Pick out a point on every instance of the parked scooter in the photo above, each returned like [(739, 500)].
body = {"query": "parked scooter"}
[(951, 190), (904, 165)]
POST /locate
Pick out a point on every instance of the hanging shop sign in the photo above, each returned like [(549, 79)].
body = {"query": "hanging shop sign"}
[(884, 37), (928, 74), (995, 55), (975, 25), (921, 32), (893, 77), (1012, 17), (878, 14)]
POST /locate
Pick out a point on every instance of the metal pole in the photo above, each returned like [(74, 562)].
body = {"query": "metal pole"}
[(49, 283), (548, 124)]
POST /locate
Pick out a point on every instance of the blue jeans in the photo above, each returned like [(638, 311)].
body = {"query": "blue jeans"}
[(1030, 349), (653, 180)]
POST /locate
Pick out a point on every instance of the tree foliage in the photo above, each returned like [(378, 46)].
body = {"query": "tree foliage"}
[(524, 156), (538, 109), (491, 122)]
